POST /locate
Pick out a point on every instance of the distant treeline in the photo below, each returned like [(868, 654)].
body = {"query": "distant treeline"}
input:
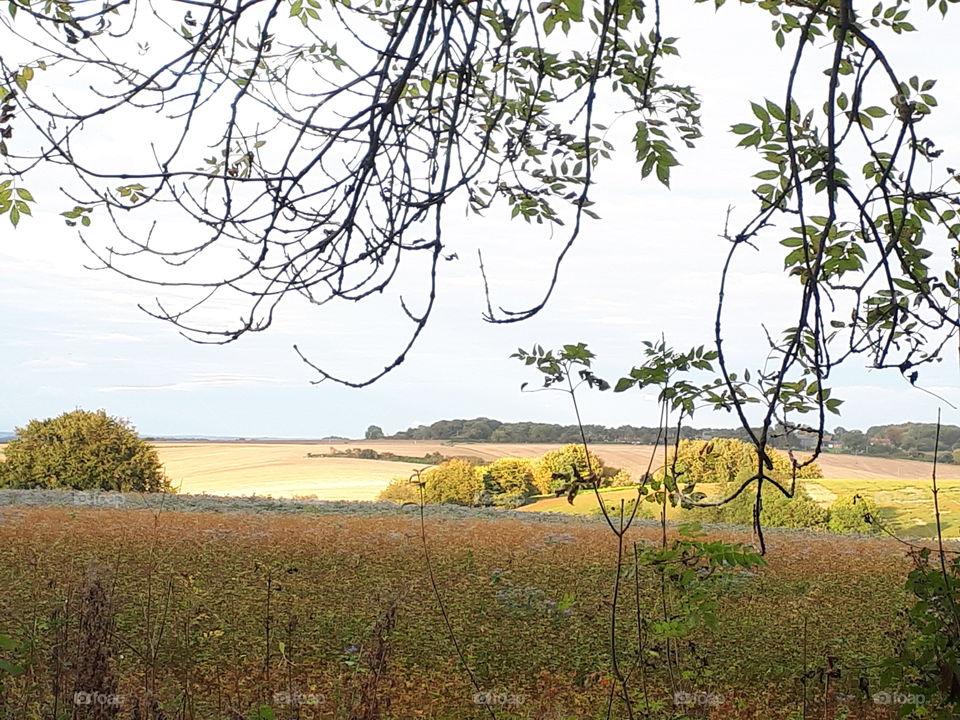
[(905, 440), (487, 430)]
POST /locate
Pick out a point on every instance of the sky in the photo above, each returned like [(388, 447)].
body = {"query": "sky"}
[(72, 337)]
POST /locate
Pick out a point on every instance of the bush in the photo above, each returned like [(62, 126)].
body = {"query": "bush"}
[(561, 462), (724, 460), (512, 476), (453, 481), (400, 490), (82, 450), (619, 479), (848, 515), (778, 510)]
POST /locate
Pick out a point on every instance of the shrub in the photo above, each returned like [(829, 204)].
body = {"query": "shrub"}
[(512, 476), (619, 479), (724, 460), (400, 490), (778, 510), (561, 462), (849, 512), (82, 450), (453, 481)]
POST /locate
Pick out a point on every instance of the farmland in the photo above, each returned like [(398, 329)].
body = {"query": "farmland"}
[(282, 469), (527, 600), (900, 487)]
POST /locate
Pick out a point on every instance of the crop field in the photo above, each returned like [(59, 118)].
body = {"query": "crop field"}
[(283, 470), (276, 469), (900, 487), (319, 616)]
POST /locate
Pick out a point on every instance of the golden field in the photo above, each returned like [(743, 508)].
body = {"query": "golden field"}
[(282, 470)]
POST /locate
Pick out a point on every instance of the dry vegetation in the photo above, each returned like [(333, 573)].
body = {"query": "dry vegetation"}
[(213, 615)]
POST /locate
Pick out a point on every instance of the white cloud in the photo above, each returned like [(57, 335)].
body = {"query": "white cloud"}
[(58, 364), (198, 383)]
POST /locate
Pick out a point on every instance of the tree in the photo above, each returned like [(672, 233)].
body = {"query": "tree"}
[(557, 468), (854, 513), (507, 476), (453, 481), (342, 134), (82, 450), (374, 432), (725, 460)]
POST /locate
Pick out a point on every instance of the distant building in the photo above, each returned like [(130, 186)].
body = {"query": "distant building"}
[(808, 440)]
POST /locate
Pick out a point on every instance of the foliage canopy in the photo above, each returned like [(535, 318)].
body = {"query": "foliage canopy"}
[(82, 450)]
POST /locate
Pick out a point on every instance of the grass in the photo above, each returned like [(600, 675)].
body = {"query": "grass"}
[(905, 505), (226, 610)]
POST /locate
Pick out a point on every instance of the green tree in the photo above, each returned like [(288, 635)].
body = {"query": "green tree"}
[(725, 460), (512, 476), (374, 432), (778, 510), (555, 468), (853, 513), (82, 450), (453, 481)]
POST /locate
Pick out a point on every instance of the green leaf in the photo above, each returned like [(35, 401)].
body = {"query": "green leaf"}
[(663, 173)]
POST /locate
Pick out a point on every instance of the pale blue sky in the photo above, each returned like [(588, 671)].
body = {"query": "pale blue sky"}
[(75, 338)]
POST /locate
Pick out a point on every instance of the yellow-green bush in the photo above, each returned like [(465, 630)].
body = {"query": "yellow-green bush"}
[(727, 460), (82, 450), (507, 475), (848, 514), (561, 462), (453, 481), (400, 490)]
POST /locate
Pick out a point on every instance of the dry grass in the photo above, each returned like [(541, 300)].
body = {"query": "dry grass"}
[(336, 577)]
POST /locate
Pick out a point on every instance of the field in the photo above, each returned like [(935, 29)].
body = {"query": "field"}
[(279, 469), (900, 487), (276, 469), (215, 616)]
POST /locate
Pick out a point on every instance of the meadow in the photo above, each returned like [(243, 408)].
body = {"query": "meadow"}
[(244, 616)]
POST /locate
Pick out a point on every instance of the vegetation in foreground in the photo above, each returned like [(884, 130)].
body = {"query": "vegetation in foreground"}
[(249, 616)]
